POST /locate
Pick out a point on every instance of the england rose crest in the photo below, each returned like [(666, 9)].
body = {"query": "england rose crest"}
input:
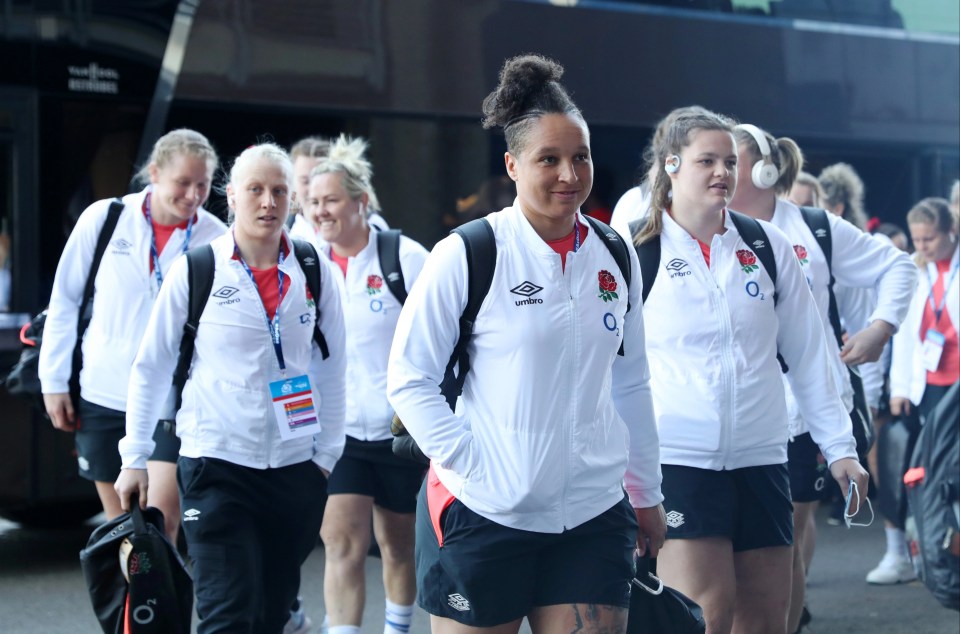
[(608, 286), (801, 252), (374, 284), (748, 261)]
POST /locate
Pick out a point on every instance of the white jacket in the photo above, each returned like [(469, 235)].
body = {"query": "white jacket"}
[(551, 418), (908, 377), (227, 410), (859, 261), (370, 313), (125, 291), (717, 390), (633, 205)]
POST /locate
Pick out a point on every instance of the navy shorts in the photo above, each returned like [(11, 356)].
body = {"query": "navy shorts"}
[(485, 574), (809, 474), (750, 506), (371, 469), (99, 432)]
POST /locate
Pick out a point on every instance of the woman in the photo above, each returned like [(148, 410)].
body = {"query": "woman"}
[(925, 352), (252, 480), (723, 430), (805, 191), (156, 226), (858, 261), (526, 487), (369, 482)]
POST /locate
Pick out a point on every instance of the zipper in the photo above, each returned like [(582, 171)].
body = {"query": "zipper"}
[(571, 387), (726, 360)]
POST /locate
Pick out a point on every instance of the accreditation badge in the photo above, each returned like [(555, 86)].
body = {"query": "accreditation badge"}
[(293, 407), (932, 349)]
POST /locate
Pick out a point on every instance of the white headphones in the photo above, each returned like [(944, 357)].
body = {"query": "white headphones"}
[(764, 173)]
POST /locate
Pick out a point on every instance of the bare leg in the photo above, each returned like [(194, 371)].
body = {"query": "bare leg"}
[(440, 625), (581, 618), (109, 499), (395, 535), (346, 539), (703, 569), (802, 514), (763, 590)]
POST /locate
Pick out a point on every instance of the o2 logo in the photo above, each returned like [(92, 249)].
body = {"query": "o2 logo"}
[(610, 323), (753, 290), (376, 306)]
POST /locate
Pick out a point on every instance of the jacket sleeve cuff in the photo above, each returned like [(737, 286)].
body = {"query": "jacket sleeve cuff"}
[(644, 498), (885, 315), (839, 451), (138, 461), (326, 461), (54, 386)]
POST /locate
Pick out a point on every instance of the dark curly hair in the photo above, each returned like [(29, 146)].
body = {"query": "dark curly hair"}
[(529, 88)]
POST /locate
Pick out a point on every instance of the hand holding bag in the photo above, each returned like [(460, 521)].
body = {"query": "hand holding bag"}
[(657, 609)]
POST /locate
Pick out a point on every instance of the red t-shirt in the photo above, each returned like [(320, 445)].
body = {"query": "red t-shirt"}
[(948, 371), (162, 233), (268, 286), (705, 250), (339, 261), (565, 245)]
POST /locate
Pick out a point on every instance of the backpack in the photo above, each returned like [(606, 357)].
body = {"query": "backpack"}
[(933, 501), (388, 252), (481, 255), (200, 269), (23, 378)]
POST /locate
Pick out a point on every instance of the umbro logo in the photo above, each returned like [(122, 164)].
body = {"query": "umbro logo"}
[(674, 519), (121, 244), (821, 233), (759, 244), (676, 267), (191, 515), (458, 602), (528, 290), (394, 277), (309, 261), (225, 292)]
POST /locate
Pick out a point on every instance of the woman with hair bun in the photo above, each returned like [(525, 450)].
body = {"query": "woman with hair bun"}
[(369, 482), (523, 512), (261, 425), (858, 261), (843, 194), (156, 226)]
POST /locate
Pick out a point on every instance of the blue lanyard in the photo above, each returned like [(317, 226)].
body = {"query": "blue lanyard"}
[(576, 235), (937, 312), (273, 325), (154, 254)]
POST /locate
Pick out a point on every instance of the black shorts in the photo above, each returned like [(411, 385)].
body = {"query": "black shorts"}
[(369, 468), (486, 574), (750, 506), (99, 432), (809, 474)]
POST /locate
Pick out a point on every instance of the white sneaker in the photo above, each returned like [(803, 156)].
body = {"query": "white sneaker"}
[(299, 623), (892, 569)]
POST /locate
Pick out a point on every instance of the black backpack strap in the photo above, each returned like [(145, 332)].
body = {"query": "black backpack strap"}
[(481, 253), (310, 264), (618, 249), (649, 255), (751, 231), (200, 271), (388, 251), (819, 224)]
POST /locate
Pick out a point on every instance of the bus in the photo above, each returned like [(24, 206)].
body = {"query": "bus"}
[(85, 89)]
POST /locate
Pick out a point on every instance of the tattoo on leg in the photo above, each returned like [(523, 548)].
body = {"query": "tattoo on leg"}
[(598, 619)]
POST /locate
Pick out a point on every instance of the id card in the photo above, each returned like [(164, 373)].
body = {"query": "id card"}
[(293, 407), (932, 350)]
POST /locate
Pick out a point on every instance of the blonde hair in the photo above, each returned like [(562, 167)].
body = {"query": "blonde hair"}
[(263, 151), (310, 147), (841, 184), (347, 157), (676, 137), (784, 153), (182, 141), (808, 179), (936, 212)]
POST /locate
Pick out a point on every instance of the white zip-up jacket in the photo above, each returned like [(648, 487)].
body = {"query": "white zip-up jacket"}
[(551, 419), (859, 261), (227, 410), (370, 313), (908, 376), (715, 333), (124, 294)]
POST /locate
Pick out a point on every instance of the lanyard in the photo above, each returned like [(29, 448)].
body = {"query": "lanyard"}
[(154, 254), (273, 325), (937, 312), (576, 235)]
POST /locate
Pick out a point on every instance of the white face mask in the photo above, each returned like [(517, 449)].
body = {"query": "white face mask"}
[(853, 495)]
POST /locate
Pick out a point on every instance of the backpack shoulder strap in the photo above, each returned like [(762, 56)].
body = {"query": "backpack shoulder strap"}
[(388, 251), (481, 253), (310, 264), (106, 232), (200, 271), (618, 249), (819, 224), (649, 255)]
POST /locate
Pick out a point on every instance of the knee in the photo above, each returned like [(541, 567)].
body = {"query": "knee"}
[(340, 544), (394, 552)]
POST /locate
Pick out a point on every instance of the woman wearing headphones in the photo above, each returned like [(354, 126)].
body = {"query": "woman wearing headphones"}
[(767, 168), (723, 431), (369, 482), (156, 226), (523, 512), (261, 424)]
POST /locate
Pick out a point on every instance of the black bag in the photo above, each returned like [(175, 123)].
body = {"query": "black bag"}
[(895, 443), (23, 378), (657, 609), (159, 596)]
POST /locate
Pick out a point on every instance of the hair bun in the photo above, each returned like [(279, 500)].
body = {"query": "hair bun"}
[(523, 79)]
